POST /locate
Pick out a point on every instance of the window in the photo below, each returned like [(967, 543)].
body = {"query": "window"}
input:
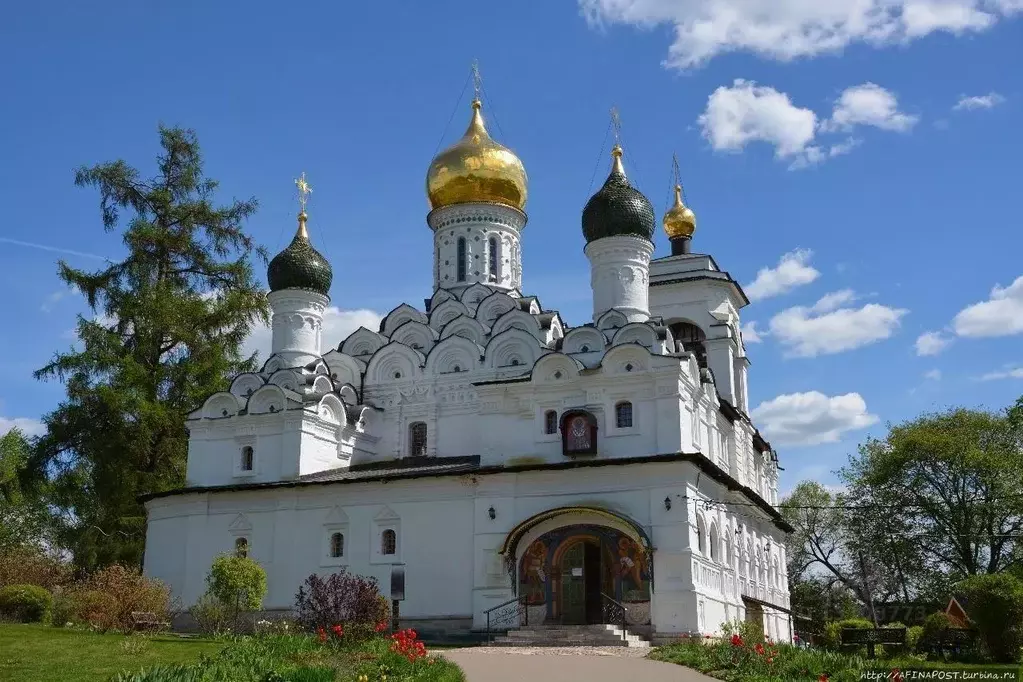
[(712, 543), (692, 339), (337, 545), (493, 257), (578, 433), (461, 259), (623, 415), (550, 422), (241, 547), (247, 458), (417, 439), (701, 531), (388, 542)]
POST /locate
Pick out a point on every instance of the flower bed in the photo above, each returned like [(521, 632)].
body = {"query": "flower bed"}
[(330, 655), (739, 659)]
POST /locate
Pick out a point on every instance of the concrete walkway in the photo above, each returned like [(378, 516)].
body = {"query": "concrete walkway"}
[(577, 664)]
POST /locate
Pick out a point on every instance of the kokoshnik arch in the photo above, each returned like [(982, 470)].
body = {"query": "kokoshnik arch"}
[(494, 449)]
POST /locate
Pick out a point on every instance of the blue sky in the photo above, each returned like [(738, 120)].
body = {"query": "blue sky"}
[(858, 161)]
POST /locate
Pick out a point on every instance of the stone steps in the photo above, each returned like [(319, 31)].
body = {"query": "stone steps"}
[(569, 636)]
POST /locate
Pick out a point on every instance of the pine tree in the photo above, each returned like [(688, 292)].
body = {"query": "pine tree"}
[(167, 328)]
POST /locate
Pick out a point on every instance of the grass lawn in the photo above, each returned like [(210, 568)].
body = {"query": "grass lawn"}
[(37, 653)]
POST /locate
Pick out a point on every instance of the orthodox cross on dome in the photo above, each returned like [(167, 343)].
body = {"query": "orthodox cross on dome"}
[(678, 177), (304, 190), (616, 123), (477, 80)]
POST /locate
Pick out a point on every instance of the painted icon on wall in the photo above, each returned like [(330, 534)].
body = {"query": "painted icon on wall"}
[(534, 569), (632, 570)]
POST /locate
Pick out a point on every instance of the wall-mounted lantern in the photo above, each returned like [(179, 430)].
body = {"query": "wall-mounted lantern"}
[(667, 503), (492, 513)]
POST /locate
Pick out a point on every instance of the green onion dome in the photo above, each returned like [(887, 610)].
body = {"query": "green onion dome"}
[(300, 266), (618, 209)]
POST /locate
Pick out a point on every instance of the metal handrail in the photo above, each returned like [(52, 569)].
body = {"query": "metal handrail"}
[(618, 612), (521, 608), (494, 608)]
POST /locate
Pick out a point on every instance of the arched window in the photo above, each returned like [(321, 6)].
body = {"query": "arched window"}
[(388, 542), (692, 339), (241, 547), (417, 439), (461, 259), (550, 422), (701, 532), (247, 458), (712, 543), (337, 545), (623, 414), (492, 257)]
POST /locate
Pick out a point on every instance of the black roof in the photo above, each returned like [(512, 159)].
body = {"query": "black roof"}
[(300, 266), (618, 209)]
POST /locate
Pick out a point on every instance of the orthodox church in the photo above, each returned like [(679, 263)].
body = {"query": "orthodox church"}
[(519, 469)]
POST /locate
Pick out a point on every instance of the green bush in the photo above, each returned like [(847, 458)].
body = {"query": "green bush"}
[(750, 631), (913, 636), (832, 636), (931, 630), (25, 603), (238, 583), (996, 609)]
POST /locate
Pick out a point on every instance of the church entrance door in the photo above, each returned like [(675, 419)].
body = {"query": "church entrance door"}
[(581, 583)]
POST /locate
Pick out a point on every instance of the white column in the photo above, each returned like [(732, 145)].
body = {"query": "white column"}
[(296, 324), (619, 276)]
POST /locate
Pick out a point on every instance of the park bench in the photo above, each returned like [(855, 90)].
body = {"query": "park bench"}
[(954, 641), (147, 620), (871, 637)]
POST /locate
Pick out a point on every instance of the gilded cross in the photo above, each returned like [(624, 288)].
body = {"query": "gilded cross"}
[(304, 190)]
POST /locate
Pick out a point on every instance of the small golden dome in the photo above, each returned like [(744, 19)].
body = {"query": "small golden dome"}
[(679, 221), (476, 169)]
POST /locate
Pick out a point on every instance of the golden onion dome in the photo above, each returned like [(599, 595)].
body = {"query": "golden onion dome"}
[(476, 169), (679, 221)]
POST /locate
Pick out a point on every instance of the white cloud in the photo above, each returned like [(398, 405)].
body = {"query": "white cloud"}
[(824, 329), (1012, 373), (747, 112), (30, 427), (793, 270), (337, 324), (788, 29), (933, 375), (834, 300), (1000, 315), (987, 101), (868, 105), (811, 418), (750, 333), (50, 301), (931, 343)]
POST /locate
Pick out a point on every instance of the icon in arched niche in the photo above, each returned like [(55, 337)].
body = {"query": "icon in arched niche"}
[(534, 572), (579, 433), (633, 571)]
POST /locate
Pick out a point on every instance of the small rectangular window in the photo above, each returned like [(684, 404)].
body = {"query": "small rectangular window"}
[(623, 415), (337, 545), (388, 542), (247, 458), (550, 422), (417, 439)]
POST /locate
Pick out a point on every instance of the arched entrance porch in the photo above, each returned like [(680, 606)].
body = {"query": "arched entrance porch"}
[(565, 564)]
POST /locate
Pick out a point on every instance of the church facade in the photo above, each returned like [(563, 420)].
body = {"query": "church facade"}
[(509, 462)]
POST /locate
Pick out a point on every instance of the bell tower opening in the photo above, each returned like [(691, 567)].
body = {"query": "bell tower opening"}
[(692, 340)]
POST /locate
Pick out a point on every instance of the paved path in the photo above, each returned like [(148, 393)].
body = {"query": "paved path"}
[(576, 664)]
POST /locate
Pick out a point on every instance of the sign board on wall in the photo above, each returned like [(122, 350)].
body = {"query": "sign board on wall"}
[(398, 582)]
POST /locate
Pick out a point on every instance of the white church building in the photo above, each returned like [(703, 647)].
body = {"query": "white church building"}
[(520, 468)]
